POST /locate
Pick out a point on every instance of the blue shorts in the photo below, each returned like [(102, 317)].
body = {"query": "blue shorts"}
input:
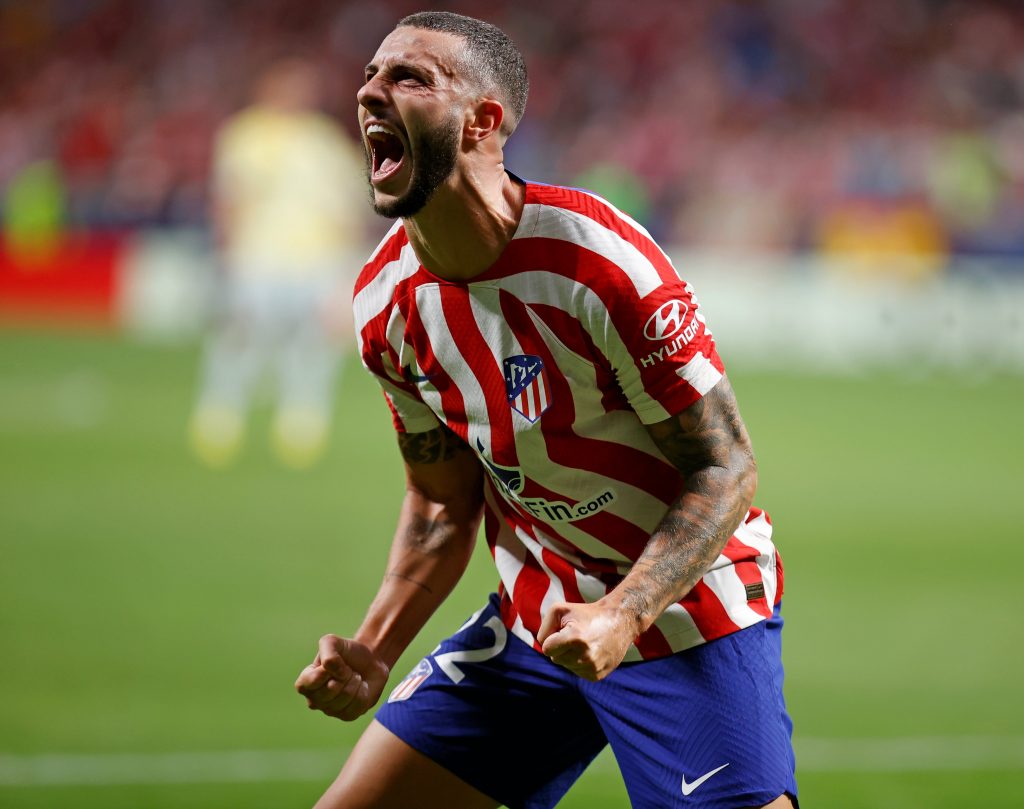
[(706, 727)]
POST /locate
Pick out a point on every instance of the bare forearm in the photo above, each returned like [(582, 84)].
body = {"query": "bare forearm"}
[(428, 557), (433, 543), (709, 444), (686, 542)]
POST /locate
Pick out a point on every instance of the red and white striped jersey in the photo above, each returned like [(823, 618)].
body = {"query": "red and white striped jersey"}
[(548, 365)]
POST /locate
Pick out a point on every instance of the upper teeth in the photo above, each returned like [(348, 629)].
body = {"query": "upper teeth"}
[(377, 129)]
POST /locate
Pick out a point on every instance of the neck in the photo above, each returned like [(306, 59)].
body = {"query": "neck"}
[(468, 222)]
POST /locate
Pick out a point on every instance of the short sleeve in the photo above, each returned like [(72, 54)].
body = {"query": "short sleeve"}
[(660, 348), (409, 414)]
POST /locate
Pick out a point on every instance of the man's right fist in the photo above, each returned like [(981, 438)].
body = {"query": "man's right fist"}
[(344, 680)]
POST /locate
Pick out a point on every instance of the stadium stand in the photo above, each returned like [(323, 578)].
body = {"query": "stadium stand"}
[(780, 126)]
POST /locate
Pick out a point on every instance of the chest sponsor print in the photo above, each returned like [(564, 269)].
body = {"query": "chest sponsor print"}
[(508, 478), (526, 385), (511, 482), (560, 511)]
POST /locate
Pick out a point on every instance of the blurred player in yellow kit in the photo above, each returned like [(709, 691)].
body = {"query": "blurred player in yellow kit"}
[(288, 206)]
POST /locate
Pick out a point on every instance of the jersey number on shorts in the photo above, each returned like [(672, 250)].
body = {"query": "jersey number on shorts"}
[(447, 660)]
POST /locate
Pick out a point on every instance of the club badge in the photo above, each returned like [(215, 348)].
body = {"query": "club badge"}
[(408, 686), (526, 385)]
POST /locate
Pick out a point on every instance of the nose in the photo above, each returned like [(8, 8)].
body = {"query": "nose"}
[(372, 95)]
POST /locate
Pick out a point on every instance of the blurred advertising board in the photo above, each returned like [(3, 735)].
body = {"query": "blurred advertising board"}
[(73, 280)]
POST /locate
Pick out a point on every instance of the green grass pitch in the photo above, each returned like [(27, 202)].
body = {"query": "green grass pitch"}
[(149, 605)]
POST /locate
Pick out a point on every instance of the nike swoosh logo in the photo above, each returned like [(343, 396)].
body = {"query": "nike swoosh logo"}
[(690, 787)]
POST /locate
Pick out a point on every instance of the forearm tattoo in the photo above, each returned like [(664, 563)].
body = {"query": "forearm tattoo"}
[(432, 446), (427, 535), (422, 536), (393, 574), (708, 443)]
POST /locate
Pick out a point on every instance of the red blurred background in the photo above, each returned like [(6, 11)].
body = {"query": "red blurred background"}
[(869, 128)]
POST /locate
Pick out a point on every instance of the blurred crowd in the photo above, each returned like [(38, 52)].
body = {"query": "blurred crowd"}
[(839, 125)]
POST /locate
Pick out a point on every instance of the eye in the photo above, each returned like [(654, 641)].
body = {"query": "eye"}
[(407, 77)]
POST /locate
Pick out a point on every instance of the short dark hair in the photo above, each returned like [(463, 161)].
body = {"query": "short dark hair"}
[(490, 51)]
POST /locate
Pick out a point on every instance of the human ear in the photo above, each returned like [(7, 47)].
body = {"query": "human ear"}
[(484, 119)]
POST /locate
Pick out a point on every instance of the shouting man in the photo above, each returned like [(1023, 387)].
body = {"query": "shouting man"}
[(549, 373)]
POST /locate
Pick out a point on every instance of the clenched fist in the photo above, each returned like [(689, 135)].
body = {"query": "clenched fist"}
[(344, 680), (588, 639)]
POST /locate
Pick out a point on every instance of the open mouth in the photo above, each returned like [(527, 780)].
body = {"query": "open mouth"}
[(387, 152)]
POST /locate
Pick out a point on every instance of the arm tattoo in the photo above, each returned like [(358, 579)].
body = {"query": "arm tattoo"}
[(427, 536), (709, 445), (433, 446), (708, 433), (394, 574), (422, 537)]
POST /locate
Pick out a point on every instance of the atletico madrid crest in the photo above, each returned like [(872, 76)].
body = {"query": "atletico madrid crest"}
[(526, 385), (408, 686)]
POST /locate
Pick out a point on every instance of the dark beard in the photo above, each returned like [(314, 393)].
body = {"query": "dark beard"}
[(435, 156)]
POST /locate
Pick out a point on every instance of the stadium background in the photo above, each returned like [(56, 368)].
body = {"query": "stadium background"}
[(844, 183)]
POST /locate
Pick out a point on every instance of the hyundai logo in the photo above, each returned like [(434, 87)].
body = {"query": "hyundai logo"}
[(670, 318)]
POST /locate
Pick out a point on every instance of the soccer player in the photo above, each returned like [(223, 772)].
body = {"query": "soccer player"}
[(549, 373), (288, 222)]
